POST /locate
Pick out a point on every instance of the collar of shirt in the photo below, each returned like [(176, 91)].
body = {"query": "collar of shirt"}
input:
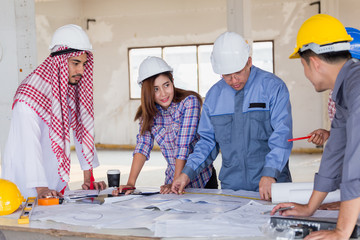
[(251, 78), (340, 78), (170, 110)]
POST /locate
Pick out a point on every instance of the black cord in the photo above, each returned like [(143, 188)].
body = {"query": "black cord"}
[(65, 51)]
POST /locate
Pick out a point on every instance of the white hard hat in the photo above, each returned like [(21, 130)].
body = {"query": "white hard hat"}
[(71, 36), (152, 66), (230, 53)]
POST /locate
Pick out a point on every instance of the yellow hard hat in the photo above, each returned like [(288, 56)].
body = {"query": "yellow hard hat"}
[(10, 197), (321, 29)]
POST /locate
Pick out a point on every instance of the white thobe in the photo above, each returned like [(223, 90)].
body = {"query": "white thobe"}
[(29, 160)]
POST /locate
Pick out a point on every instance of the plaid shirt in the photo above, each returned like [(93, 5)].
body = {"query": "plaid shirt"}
[(331, 107), (174, 129)]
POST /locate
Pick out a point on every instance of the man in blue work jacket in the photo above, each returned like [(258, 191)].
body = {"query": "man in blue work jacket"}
[(247, 114)]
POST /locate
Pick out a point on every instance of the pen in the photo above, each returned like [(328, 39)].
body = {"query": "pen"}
[(300, 138), (280, 209), (145, 193), (73, 197), (127, 188)]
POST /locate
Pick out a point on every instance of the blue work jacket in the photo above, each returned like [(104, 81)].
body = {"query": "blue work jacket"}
[(251, 127)]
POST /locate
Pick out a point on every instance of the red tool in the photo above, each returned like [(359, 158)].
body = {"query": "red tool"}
[(127, 188), (300, 138)]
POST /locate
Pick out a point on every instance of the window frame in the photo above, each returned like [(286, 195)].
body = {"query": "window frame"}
[(197, 59)]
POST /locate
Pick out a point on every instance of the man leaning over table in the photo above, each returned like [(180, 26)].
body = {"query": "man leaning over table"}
[(247, 114), (323, 47)]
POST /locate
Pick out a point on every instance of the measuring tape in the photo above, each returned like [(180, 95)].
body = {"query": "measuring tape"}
[(26, 212), (221, 194), (50, 200)]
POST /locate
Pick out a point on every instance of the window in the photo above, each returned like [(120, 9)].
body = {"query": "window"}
[(263, 55), (191, 64)]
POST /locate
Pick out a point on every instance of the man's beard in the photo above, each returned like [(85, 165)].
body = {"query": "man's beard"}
[(76, 83)]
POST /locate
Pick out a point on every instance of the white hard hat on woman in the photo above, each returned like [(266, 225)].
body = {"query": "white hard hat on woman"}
[(152, 66)]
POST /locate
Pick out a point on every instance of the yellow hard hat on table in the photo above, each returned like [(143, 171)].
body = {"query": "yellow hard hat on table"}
[(10, 197), (320, 30)]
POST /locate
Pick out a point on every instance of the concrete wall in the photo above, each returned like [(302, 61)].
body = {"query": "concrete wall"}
[(17, 54), (129, 23), (120, 25)]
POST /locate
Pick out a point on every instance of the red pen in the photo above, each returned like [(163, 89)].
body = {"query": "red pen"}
[(300, 138)]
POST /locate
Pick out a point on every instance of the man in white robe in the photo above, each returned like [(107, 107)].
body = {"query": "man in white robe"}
[(57, 96)]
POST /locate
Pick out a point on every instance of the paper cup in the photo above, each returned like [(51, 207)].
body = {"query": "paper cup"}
[(113, 176)]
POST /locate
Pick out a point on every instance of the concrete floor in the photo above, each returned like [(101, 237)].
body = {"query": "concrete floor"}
[(302, 167)]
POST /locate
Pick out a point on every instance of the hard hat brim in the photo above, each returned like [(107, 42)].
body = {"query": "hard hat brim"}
[(295, 54)]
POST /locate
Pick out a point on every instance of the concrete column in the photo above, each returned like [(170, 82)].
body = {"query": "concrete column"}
[(17, 54), (239, 18), (330, 7)]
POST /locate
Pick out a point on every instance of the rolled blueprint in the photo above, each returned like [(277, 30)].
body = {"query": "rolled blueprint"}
[(302, 196), (280, 192), (298, 192)]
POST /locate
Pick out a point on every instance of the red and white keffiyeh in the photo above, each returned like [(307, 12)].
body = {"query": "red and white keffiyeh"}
[(47, 92)]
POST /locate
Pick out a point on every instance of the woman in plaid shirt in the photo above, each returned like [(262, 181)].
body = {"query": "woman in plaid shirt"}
[(170, 116)]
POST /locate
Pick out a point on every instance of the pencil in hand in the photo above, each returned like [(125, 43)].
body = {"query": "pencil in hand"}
[(278, 210), (300, 138)]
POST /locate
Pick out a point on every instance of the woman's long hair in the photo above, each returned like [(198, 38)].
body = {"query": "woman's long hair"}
[(147, 110)]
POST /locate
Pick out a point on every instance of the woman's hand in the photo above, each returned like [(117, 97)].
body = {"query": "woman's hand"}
[(128, 189), (165, 189)]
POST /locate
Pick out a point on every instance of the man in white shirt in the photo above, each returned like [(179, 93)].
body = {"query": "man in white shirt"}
[(57, 96)]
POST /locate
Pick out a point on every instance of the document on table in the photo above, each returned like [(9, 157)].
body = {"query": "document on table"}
[(80, 193), (75, 194), (100, 216), (204, 213), (243, 221)]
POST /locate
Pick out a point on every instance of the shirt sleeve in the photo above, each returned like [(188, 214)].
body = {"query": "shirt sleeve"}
[(206, 149), (188, 127), (281, 122), (350, 183), (83, 163), (340, 164), (329, 176), (144, 143)]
